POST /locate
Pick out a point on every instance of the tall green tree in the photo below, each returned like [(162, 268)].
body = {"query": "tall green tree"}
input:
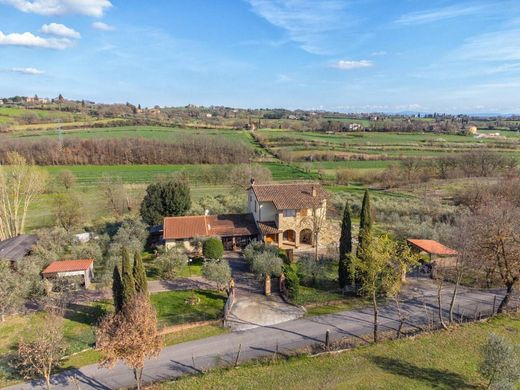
[(380, 266), (141, 284), (117, 289), (365, 223), (345, 247), (127, 278), (164, 199)]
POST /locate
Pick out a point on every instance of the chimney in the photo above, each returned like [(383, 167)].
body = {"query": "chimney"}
[(252, 181), (313, 191)]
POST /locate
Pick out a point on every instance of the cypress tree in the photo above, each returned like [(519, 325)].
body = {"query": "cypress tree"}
[(141, 284), (117, 289), (345, 246), (127, 278), (365, 222)]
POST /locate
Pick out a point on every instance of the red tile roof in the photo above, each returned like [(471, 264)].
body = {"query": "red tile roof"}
[(68, 266), (289, 196), (224, 225), (268, 228), (185, 227), (432, 247)]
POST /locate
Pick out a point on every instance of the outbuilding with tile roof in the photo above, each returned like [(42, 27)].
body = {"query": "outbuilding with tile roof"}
[(83, 268)]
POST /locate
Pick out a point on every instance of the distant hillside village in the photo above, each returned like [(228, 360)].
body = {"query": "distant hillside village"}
[(58, 107)]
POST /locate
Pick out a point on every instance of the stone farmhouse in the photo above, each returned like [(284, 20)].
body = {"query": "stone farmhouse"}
[(282, 214), (286, 213)]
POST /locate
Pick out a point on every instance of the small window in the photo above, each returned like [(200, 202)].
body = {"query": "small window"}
[(289, 213)]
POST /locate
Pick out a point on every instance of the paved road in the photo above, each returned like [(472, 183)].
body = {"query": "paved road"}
[(200, 355)]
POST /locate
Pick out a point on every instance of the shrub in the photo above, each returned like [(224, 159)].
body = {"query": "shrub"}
[(256, 247), (292, 282), (500, 363), (217, 271), (213, 248)]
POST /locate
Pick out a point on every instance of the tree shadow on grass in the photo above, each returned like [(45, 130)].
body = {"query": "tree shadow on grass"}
[(435, 378)]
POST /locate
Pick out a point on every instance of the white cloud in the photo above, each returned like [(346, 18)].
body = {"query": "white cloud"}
[(103, 26), (434, 15), (496, 46), (379, 53), (94, 8), (28, 39), (305, 21), (28, 71), (349, 65), (60, 30)]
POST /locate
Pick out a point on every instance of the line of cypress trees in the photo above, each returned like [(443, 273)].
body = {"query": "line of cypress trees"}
[(365, 223), (141, 284), (117, 289), (345, 247), (127, 278)]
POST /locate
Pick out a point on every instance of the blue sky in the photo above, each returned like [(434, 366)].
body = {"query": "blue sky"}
[(358, 55)]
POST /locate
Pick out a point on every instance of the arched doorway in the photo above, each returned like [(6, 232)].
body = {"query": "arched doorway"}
[(289, 236), (306, 237)]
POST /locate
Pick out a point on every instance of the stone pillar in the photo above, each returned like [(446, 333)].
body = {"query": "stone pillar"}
[(280, 239), (296, 238)]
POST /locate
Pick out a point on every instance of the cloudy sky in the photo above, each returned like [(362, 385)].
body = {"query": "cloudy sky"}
[(345, 55)]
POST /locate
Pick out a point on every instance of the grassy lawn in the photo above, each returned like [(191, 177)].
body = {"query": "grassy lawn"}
[(173, 307), (194, 269), (440, 360)]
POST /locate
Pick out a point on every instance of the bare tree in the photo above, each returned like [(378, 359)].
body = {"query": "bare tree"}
[(42, 354), (66, 179), (20, 183), (495, 245), (130, 335), (116, 195), (316, 219)]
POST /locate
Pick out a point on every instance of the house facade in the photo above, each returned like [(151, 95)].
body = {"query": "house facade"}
[(287, 213)]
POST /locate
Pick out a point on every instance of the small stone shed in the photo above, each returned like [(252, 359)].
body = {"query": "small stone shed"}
[(440, 255), (71, 268)]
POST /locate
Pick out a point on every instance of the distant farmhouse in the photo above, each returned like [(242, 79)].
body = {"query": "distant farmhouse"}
[(278, 214)]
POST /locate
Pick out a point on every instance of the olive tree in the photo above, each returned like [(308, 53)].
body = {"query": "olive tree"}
[(217, 271), (265, 265)]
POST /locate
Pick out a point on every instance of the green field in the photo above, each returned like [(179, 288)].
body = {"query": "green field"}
[(170, 134), (89, 175), (441, 360)]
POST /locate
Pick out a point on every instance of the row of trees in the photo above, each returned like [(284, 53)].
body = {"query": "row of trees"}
[(74, 151)]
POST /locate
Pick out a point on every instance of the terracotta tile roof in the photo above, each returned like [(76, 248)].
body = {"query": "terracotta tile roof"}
[(289, 196), (432, 247), (16, 248), (185, 227), (224, 225), (68, 266), (268, 228)]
